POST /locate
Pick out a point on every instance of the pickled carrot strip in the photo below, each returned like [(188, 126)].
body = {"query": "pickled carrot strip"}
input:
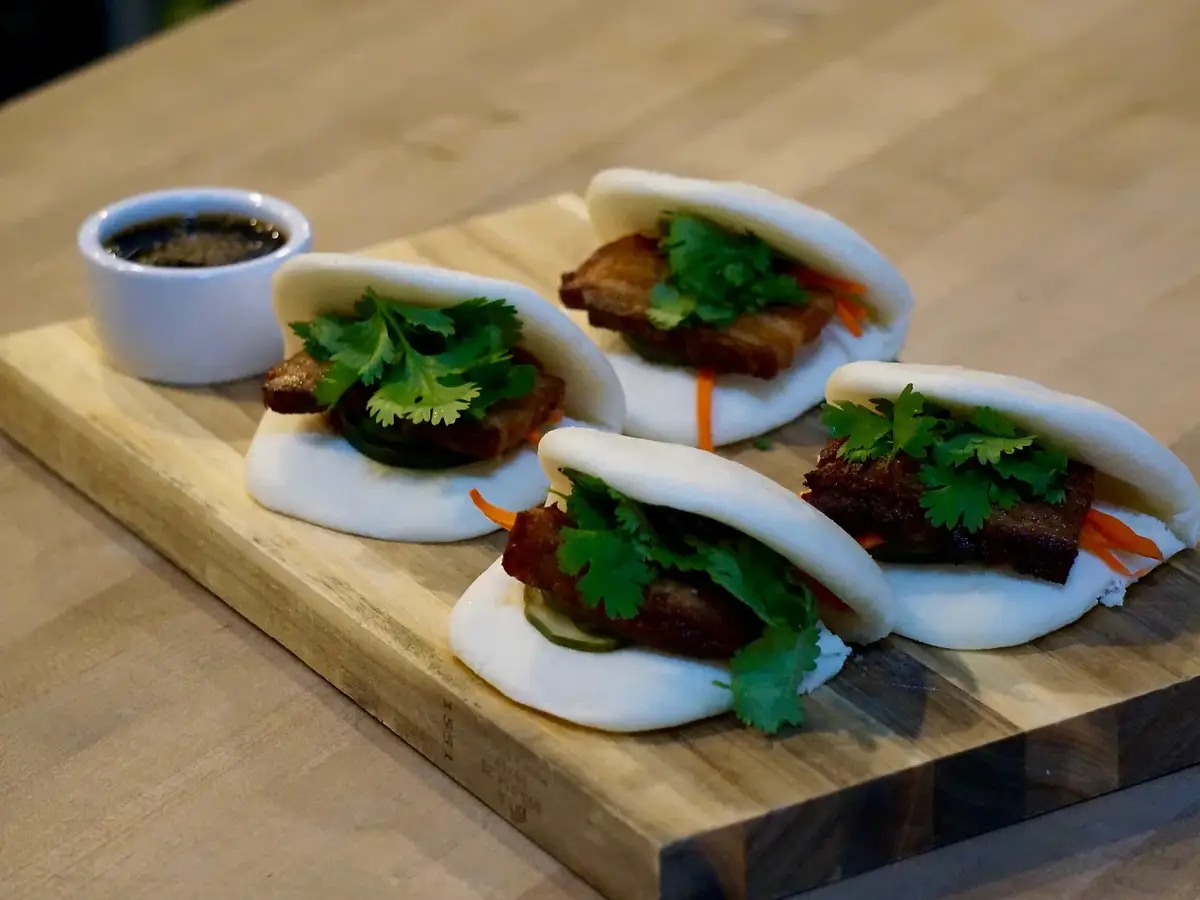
[(822, 594), (869, 541), (1093, 542), (501, 517), (705, 381), (859, 310), (537, 434), (846, 315), (1120, 536), (806, 277)]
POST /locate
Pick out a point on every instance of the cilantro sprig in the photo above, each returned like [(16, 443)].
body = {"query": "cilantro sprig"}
[(716, 275), (974, 462), (618, 546), (425, 365)]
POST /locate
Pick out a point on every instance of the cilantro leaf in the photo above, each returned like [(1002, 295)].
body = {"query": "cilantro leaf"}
[(778, 288), (366, 346), (862, 427), (613, 576), (590, 504), (477, 350), (765, 677), (615, 573), (991, 422), (423, 364), (496, 382), (312, 346), (481, 315), (632, 519), (1042, 471), (418, 395), (1003, 495), (987, 449), (336, 380), (990, 450), (617, 547), (978, 460), (427, 318), (322, 336), (912, 431), (1054, 495), (884, 407), (668, 307), (717, 275), (956, 495), (751, 571)]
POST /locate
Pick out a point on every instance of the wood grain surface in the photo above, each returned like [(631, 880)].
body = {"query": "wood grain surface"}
[(1030, 166), (910, 748)]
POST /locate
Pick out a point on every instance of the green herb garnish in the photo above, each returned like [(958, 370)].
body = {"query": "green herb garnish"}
[(717, 275), (619, 546), (425, 365), (975, 462)]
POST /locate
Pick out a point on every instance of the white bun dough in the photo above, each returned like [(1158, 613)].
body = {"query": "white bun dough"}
[(635, 689), (969, 607), (978, 608), (1139, 471), (627, 690), (662, 399), (297, 466)]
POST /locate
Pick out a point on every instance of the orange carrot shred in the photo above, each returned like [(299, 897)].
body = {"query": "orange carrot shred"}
[(537, 434), (807, 277), (869, 541), (1120, 536), (823, 595), (1093, 543), (501, 517), (705, 380), (858, 309), (846, 315)]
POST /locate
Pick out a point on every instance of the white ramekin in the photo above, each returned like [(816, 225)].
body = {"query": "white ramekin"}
[(188, 326)]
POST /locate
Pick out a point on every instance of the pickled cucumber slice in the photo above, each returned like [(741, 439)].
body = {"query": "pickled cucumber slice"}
[(558, 628), (378, 442)]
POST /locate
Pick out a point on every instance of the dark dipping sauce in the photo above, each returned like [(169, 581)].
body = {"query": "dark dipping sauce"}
[(196, 242)]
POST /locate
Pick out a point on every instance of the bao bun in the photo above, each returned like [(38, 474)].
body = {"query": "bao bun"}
[(634, 689), (298, 466), (1138, 480), (661, 398)]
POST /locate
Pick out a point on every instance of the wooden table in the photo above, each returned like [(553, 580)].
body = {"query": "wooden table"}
[(153, 744)]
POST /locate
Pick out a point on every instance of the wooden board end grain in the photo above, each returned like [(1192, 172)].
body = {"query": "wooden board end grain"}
[(910, 748)]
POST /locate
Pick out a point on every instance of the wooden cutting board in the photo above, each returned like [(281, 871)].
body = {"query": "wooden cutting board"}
[(909, 748)]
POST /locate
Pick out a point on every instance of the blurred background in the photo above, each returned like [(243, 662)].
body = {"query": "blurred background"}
[(43, 39)]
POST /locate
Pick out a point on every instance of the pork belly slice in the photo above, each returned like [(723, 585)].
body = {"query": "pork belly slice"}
[(290, 388), (614, 284), (688, 617), (882, 497)]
